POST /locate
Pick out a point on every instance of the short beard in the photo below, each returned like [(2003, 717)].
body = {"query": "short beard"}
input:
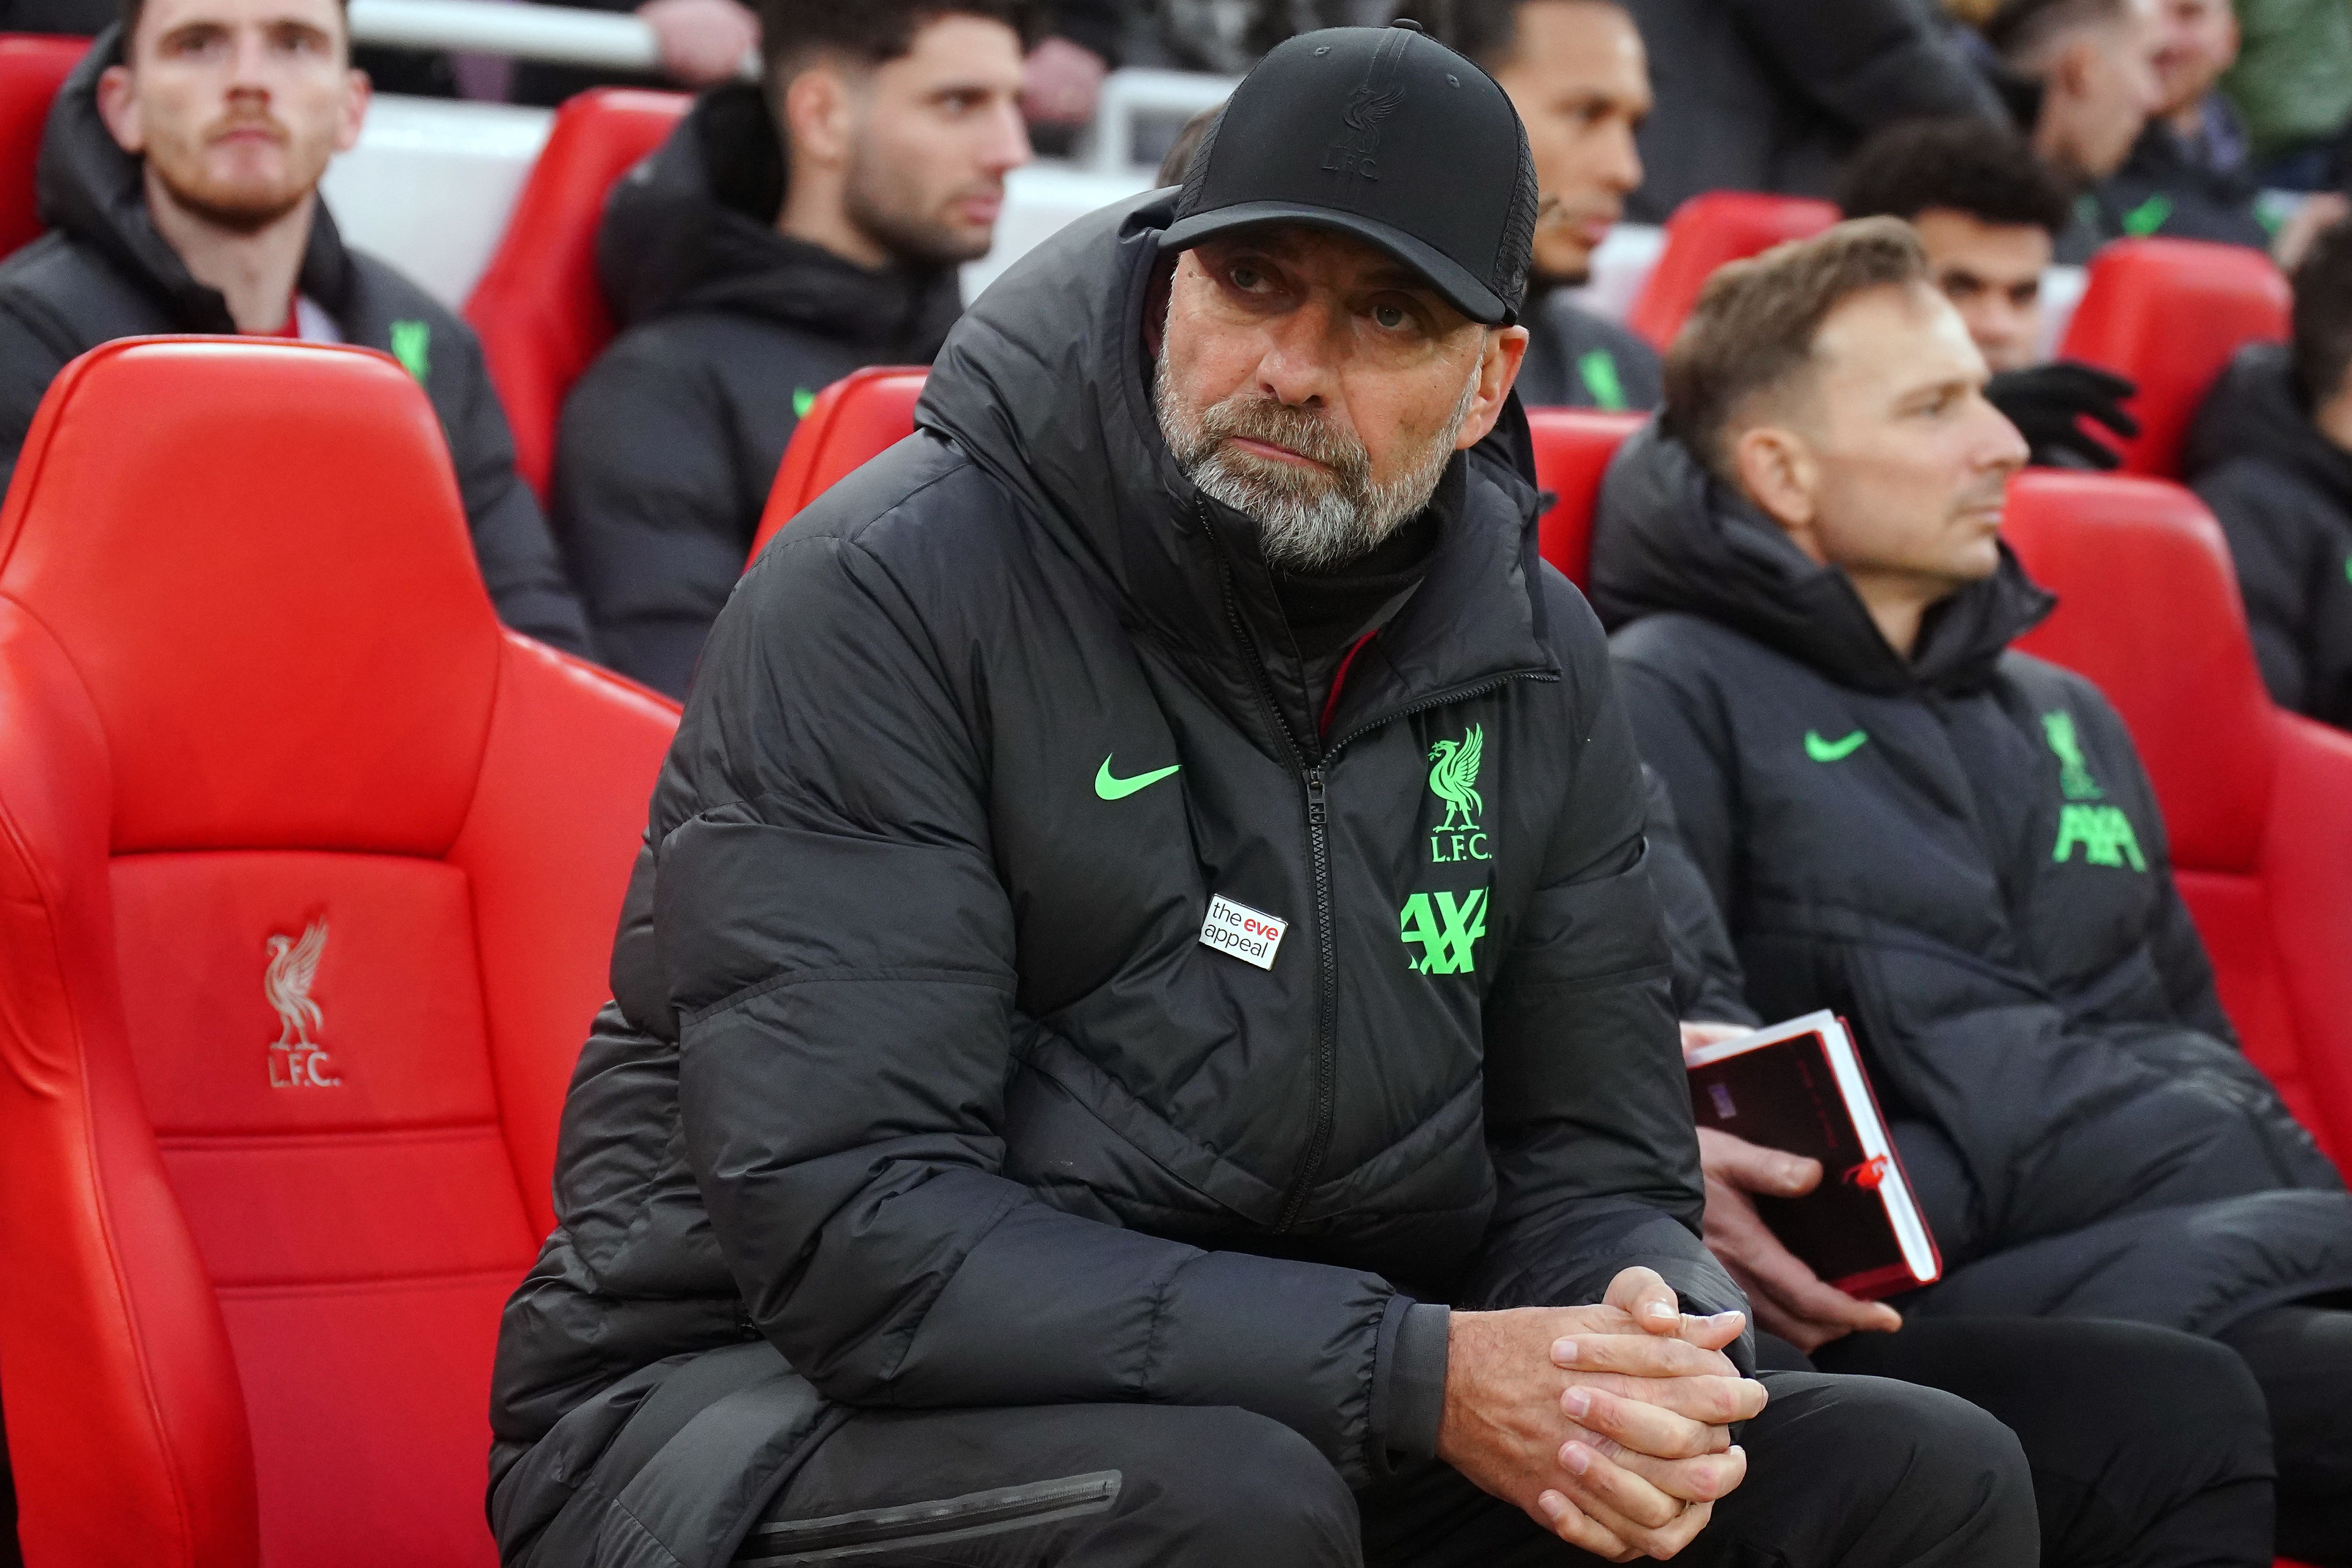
[(914, 240), (1307, 522)]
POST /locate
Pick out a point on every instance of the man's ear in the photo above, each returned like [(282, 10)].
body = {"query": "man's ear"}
[(1776, 469), (2070, 69), (1498, 367), (817, 114), (358, 94), (118, 105)]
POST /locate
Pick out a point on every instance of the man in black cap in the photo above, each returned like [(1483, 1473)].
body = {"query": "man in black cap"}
[(1142, 1031)]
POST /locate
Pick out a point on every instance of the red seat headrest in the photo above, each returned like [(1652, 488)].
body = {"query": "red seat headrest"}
[(2169, 313), (32, 66), (2148, 609), (1573, 446), (220, 731), (538, 306), (852, 422), (1708, 231)]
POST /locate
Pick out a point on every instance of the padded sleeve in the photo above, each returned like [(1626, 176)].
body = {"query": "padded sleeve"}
[(1868, 62), (511, 544), (839, 954), (646, 507), (1588, 1109)]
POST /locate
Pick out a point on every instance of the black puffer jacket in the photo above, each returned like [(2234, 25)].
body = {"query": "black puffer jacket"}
[(669, 443), (104, 272), (1772, 95), (1961, 854), (919, 1068), (2282, 492)]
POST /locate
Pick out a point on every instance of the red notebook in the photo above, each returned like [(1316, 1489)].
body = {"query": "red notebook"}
[(1799, 1086)]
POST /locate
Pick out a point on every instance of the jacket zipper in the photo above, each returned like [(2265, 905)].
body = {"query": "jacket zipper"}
[(1319, 852), (1313, 771)]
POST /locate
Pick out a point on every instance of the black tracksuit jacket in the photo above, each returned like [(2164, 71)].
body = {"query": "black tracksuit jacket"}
[(920, 1071), (670, 442), (104, 272), (1579, 360), (1961, 854), (2282, 492)]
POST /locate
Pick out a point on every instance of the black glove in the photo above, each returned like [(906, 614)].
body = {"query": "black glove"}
[(2048, 403)]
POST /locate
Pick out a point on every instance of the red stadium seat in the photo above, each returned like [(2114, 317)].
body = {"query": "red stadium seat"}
[(1708, 231), (308, 873), (2168, 313), (853, 421), (538, 306), (32, 67), (1573, 446), (2257, 801)]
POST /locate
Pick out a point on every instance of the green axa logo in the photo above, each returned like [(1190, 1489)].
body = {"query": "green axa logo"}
[(2103, 833), (1455, 780), (410, 342), (1445, 929)]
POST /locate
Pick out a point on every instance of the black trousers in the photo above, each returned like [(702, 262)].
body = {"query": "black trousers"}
[(2149, 1449), (1843, 1473), (2302, 1358)]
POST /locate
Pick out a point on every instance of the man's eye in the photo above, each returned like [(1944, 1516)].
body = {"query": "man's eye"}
[(1247, 278), (1391, 317)]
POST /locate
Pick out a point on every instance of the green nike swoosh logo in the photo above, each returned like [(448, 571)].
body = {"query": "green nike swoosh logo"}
[(1838, 751), (1111, 788)]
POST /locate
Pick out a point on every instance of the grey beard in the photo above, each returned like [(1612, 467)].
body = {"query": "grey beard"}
[(1307, 521)]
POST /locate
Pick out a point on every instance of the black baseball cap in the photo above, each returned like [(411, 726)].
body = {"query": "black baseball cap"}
[(1386, 134)]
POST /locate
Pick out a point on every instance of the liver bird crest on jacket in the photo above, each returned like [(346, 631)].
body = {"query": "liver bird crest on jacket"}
[(297, 1061), (1455, 779)]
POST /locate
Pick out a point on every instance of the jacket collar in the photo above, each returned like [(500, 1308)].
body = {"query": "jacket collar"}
[(1671, 538), (692, 227)]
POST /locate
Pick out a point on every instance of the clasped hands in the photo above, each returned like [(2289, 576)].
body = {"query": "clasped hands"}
[(1609, 1424)]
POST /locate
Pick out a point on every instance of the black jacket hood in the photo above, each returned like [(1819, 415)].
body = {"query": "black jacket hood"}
[(692, 227), (1670, 538), (91, 188), (2255, 411)]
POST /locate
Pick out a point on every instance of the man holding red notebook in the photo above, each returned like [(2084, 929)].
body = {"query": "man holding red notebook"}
[(1953, 846)]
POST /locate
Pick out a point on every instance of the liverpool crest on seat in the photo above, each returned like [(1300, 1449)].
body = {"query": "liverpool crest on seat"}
[(296, 1060)]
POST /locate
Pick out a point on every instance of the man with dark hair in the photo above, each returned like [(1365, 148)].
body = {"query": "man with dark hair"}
[(1954, 846), (2080, 78), (1576, 72), (1989, 212), (2271, 453), (785, 236), (1151, 865), (179, 176), (1772, 95), (2189, 174)]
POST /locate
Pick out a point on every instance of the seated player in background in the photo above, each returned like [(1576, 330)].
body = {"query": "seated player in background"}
[(785, 234), (2189, 174), (2080, 77), (1952, 844), (1576, 72), (2120, 1479), (2270, 452), (179, 175), (1296, 1240), (1989, 212)]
